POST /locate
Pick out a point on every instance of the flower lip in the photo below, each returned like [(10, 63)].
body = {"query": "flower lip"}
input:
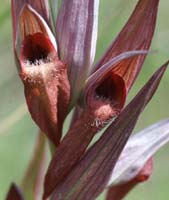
[(112, 88), (37, 48), (107, 97), (109, 88)]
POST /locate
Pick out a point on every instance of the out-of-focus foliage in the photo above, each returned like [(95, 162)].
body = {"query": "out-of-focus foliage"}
[(18, 132)]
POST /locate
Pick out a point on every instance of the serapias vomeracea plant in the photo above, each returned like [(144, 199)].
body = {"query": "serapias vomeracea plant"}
[(54, 57)]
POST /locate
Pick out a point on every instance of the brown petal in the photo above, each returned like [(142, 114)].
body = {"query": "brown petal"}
[(90, 176), (136, 35), (14, 193)]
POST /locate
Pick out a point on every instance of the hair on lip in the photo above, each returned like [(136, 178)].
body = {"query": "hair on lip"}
[(37, 49)]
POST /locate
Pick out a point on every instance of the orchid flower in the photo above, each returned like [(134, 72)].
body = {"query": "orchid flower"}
[(55, 60), (44, 76)]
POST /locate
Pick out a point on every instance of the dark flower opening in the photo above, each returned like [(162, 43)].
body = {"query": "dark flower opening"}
[(112, 88), (37, 48)]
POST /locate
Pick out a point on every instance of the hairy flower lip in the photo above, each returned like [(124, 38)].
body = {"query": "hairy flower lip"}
[(30, 26), (112, 88), (108, 97), (106, 87), (36, 49)]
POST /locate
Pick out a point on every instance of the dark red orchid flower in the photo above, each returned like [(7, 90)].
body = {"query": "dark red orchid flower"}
[(58, 74), (43, 75)]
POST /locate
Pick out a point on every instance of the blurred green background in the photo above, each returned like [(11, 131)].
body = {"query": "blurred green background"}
[(18, 132)]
